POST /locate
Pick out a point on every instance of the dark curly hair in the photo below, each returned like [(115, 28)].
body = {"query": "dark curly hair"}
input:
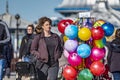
[(41, 21), (31, 25), (117, 34)]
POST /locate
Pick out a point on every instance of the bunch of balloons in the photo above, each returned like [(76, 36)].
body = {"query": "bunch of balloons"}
[(84, 47)]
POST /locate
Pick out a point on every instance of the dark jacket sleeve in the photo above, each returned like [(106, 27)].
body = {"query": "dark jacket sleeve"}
[(6, 33), (34, 45), (21, 51), (109, 53), (60, 45)]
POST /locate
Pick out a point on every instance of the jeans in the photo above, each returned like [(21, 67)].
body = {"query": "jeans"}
[(2, 68), (53, 73), (116, 75), (26, 59)]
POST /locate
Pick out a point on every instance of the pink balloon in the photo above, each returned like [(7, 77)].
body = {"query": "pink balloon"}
[(66, 54), (97, 53), (74, 59)]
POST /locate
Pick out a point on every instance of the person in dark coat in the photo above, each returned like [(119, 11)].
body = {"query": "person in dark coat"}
[(26, 43), (113, 57), (4, 40), (47, 48)]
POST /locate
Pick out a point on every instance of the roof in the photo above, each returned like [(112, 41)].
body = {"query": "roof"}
[(11, 21)]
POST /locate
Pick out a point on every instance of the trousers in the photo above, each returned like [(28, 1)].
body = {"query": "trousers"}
[(2, 68), (52, 73)]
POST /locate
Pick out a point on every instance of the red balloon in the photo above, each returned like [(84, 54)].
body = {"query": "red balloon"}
[(97, 33), (69, 73), (97, 68), (63, 24)]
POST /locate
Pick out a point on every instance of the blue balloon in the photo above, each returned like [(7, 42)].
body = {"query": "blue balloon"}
[(71, 31), (108, 29), (84, 50)]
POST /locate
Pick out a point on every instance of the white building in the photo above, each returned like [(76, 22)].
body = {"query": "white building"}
[(108, 10)]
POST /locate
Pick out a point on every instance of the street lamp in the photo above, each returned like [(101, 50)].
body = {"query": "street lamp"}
[(17, 17)]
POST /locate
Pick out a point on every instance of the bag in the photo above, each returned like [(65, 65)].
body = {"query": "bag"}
[(23, 68), (26, 68), (42, 66)]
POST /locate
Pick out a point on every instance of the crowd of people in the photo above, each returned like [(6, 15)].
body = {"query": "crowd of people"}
[(43, 48)]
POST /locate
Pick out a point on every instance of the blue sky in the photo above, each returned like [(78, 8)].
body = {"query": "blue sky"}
[(31, 10)]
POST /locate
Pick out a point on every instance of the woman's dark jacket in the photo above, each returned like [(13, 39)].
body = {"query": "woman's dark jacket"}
[(25, 45), (4, 35), (114, 55), (39, 49)]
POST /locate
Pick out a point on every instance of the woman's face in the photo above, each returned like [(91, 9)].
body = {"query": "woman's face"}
[(46, 26), (29, 30)]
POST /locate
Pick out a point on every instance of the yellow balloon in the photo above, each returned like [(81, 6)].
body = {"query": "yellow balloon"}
[(65, 38), (98, 23), (84, 34)]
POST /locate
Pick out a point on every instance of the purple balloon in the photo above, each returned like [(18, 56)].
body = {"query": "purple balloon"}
[(71, 45), (74, 59), (97, 53)]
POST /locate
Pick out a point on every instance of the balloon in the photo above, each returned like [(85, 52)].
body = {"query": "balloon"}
[(90, 42), (108, 29), (97, 53), (66, 54), (63, 24), (69, 21), (71, 45), (98, 23), (88, 24), (97, 33), (97, 68), (65, 38), (83, 50), (69, 73), (74, 59), (81, 66), (88, 62), (85, 74), (71, 31), (100, 43), (84, 33)]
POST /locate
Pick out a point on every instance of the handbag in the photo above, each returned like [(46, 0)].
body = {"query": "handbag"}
[(42, 66)]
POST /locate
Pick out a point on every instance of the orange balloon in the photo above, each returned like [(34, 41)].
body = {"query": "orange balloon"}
[(99, 23)]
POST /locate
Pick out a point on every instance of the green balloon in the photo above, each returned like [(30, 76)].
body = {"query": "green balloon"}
[(85, 74)]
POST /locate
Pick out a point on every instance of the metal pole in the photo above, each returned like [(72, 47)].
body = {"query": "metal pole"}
[(17, 17), (17, 35)]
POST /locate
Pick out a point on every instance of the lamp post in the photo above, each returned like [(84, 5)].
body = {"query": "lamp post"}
[(17, 17)]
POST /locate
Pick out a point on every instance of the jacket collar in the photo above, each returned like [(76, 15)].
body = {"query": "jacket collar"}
[(42, 35)]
